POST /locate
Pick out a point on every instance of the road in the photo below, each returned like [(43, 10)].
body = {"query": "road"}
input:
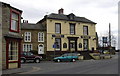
[(106, 66)]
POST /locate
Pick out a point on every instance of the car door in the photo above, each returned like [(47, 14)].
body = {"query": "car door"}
[(69, 57), (30, 56), (65, 57)]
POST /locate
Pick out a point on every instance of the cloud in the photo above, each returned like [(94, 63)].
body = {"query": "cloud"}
[(102, 12)]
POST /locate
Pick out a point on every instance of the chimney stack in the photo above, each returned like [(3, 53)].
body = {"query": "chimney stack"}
[(61, 11), (25, 21)]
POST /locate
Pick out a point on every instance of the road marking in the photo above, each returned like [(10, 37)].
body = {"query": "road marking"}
[(34, 69)]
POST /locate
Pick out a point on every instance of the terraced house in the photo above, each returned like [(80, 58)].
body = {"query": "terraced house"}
[(10, 29), (68, 33), (34, 36)]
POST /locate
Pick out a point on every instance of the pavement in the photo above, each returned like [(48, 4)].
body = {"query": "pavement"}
[(17, 70), (26, 69)]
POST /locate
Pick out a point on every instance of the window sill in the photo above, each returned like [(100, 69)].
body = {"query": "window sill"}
[(13, 61), (40, 41), (27, 41)]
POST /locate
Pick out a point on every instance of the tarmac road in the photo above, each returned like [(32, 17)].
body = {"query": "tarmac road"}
[(106, 66)]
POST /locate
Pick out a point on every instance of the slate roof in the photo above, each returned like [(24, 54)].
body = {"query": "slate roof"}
[(66, 17), (10, 6), (31, 26)]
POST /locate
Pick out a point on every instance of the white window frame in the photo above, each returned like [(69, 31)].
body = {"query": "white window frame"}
[(27, 34), (40, 36), (26, 49)]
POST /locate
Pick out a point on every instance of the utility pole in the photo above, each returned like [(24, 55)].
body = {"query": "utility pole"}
[(109, 35), (109, 45)]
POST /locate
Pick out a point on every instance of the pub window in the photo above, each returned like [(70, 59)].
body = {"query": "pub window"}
[(58, 43), (72, 28), (80, 45), (85, 30), (57, 28), (65, 45)]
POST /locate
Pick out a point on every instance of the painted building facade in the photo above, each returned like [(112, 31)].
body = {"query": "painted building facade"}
[(11, 38), (69, 33)]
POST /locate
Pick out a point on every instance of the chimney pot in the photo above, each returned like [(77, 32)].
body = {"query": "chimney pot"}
[(25, 21)]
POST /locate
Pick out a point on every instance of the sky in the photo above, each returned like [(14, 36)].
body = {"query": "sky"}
[(102, 12)]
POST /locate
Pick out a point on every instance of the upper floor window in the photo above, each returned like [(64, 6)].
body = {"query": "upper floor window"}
[(85, 30), (14, 21), (72, 28), (57, 28), (27, 36), (40, 37)]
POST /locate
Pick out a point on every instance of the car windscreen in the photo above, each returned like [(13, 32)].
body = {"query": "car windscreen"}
[(65, 55)]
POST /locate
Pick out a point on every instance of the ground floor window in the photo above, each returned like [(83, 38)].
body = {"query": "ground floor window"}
[(13, 51), (58, 43), (85, 44), (27, 47)]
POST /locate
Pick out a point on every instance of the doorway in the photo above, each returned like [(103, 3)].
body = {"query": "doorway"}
[(40, 49), (72, 44)]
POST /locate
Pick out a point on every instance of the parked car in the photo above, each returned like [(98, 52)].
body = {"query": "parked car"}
[(28, 56), (106, 52), (100, 51), (67, 57)]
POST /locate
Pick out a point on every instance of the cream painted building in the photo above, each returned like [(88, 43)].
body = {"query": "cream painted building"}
[(69, 33)]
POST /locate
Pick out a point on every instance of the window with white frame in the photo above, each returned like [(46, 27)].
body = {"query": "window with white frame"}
[(27, 47), (40, 37), (27, 36)]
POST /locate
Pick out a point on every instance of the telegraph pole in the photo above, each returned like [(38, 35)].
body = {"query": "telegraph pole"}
[(109, 38), (109, 35)]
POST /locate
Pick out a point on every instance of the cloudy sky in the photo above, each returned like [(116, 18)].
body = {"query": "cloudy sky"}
[(102, 12)]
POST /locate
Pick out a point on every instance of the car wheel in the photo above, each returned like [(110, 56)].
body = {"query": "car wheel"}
[(22, 60), (73, 60), (37, 60), (58, 60)]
